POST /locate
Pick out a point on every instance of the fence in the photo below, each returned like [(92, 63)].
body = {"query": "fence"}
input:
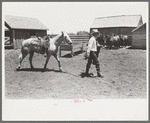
[(78, 44)]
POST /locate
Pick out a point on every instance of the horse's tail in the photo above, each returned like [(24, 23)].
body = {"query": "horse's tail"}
[(20, 56)]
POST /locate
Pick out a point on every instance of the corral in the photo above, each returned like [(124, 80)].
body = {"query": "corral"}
[(124, 73)]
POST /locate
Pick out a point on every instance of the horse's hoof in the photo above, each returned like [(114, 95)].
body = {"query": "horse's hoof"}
[(18, 68)]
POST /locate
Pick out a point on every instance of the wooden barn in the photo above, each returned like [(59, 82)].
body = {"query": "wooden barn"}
[(123, 24), (7, 32), (21, 28), (139, 37)]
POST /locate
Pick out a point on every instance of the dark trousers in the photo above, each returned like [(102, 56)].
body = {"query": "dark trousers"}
[(93, 56), (97, 53)]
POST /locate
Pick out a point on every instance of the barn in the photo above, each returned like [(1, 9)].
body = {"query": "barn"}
[(122, 24), (20, 28), (6, 32), (139, 37)]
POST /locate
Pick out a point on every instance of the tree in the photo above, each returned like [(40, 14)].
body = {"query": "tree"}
[(82, 33)]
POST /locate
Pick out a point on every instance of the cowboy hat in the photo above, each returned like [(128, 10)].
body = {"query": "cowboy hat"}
[(95, 31)]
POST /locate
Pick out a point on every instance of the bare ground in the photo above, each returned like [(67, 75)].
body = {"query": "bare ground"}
[(124, 73)]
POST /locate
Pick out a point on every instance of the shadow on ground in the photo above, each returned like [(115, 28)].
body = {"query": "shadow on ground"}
[(37, 70), (83, 74), (130, 47), (70, 56)]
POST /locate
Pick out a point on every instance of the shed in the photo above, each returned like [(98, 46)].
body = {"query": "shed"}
[(21, 28), (122, 24), (139, 37)]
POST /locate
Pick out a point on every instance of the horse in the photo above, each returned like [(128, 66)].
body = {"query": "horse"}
[(112, 40), (124, 39), (100, 39), (29, 48)]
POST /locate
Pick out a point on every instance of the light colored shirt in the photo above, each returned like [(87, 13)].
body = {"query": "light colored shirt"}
[(92, 45), (98, 45)]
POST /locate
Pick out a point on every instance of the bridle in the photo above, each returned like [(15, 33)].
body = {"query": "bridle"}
[(63, 37)]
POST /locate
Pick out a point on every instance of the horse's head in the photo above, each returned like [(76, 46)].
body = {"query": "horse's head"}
[(66, 38)]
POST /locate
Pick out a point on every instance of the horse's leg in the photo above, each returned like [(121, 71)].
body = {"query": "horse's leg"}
[(30, 59), (57, 58), (110, 45), (47, 59), (117, 43), (126, 44), (22, 55)]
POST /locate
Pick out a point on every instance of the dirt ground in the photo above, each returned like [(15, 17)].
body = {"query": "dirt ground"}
[(124, 73)]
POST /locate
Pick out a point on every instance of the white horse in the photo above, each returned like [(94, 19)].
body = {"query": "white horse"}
[(29, 48)]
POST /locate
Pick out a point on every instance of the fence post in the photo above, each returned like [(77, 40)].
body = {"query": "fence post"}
[(82, 48), (72, 53)]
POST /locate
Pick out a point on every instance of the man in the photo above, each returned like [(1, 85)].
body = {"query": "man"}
[(91, 54), (100, 42)]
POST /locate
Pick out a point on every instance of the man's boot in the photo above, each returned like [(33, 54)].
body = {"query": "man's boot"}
[(87, 71), (98, 71), (99, 75)]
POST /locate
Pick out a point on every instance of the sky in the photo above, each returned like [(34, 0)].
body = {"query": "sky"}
[(73, 16)]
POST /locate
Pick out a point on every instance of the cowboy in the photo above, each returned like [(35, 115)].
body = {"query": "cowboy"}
[(100, 43), (91, 54)]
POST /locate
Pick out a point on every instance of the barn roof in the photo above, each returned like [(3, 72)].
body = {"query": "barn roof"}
[(139, 27), (17, 22), (117, 21)]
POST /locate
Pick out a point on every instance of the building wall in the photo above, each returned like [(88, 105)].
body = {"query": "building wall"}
[(25, 34), (7, 33), (41, 33), (139, 38), (20, 35)]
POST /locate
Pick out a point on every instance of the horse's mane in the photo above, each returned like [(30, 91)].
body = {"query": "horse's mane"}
[(57, 37)]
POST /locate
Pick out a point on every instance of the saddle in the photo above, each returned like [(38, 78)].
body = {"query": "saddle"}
[(41, 43)]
